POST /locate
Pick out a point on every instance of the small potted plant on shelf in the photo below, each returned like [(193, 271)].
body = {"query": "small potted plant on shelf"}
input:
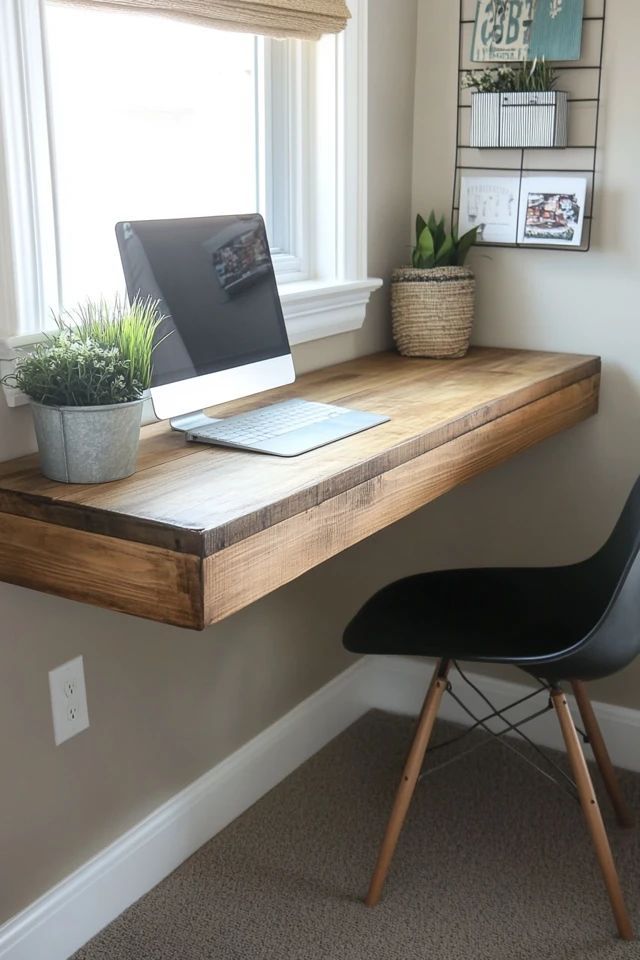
[(517, 106), (432, 302), (85, 383)]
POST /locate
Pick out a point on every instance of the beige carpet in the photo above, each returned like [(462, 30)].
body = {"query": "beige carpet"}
[(494, 864)]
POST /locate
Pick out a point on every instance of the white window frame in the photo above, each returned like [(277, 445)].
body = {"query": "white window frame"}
[(283, 128), (320, 252), (27, 213)]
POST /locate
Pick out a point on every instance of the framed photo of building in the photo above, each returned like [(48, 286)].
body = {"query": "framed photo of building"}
[(552, 210)]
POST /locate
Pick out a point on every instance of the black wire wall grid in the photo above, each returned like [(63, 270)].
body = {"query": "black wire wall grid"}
[(520, 160)]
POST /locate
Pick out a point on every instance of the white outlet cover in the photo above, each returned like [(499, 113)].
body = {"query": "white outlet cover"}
[(68, 700)]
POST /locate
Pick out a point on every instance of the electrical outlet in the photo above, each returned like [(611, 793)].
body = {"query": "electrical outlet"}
[(68, 700)]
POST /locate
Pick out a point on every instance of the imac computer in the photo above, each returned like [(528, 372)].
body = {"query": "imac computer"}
[(223, 336)]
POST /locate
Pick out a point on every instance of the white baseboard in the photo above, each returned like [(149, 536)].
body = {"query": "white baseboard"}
[(73, 911), (68, 915)]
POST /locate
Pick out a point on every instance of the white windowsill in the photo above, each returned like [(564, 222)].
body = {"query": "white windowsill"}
[(313, 310)]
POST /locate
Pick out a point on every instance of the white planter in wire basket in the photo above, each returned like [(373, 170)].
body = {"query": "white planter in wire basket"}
[(519, 119)]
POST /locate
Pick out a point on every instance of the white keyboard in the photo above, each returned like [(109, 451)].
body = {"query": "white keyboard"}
[(287, 428), (271, 421)]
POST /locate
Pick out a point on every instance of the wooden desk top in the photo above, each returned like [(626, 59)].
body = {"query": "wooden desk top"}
[(194, 517)]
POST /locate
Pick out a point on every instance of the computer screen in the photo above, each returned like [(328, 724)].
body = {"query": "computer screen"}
[(214, 280)]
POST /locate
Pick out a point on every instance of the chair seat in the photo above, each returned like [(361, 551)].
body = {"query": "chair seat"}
[(510, 615)]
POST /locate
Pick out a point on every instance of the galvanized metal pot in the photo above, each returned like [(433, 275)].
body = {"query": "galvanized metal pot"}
[(88, 444)]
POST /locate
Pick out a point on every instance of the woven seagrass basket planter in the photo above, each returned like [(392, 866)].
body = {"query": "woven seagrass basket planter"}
[(432, 311)]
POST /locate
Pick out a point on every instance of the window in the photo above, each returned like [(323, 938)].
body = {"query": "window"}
[(167, 128), (110, 115)]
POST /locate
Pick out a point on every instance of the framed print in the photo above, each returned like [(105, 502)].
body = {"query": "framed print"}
[(556, 31), (490, 204), (501, 30), (552, 210)]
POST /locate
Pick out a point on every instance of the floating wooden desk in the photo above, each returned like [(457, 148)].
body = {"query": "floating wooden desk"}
[(200, 531)]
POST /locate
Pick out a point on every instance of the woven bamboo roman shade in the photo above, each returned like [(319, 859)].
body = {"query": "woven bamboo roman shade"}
[(305, 19)]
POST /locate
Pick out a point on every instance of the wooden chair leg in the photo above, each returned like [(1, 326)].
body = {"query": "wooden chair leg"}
[(600, 752), (408, 780), (592, 815)]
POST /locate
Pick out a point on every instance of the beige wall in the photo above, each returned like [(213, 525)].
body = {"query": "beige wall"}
[(167, 704), (557, 502)]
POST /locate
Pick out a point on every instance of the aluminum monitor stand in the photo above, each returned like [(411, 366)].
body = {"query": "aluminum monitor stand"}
[(192, 421)]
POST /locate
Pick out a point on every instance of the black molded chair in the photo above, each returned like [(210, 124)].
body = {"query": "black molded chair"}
[(560, 624)]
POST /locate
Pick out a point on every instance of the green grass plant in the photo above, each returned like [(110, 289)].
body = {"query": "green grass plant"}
[(116, 324), (100, 354), (535, 76)]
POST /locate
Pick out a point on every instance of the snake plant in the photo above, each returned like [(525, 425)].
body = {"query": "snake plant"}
[(437, 248)]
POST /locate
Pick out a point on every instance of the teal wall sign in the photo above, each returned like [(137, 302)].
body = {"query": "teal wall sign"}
[(556, 31)]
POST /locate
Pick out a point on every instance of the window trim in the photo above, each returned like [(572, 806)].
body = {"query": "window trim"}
[(333, 301), (282, 198), (27, 206)]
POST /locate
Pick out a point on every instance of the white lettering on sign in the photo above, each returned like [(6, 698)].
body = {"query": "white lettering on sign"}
[(502, 29)]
